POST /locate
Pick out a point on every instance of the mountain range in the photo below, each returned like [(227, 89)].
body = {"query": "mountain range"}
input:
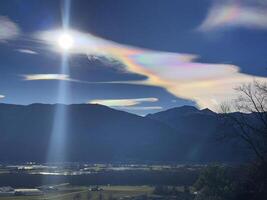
[(96, 133)]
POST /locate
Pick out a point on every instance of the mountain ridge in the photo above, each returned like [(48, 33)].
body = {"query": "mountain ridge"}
[(97, 133)]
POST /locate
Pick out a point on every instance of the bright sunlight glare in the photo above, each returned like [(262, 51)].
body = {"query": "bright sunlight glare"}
[(65, 41)]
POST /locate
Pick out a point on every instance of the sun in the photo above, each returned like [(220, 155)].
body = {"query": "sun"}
[(65, 41)]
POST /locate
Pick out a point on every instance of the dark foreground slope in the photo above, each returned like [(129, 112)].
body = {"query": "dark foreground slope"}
[(96, 133)]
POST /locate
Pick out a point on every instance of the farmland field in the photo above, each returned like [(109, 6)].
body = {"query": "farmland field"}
[(75, 192)]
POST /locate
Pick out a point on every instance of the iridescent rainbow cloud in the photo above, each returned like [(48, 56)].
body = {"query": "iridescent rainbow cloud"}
[(8, 29), (206, 83), (235, 13)]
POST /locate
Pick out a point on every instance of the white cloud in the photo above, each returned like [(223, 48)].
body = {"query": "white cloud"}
[(180, 74), (36, 77), (123, 102), (65, 77), (27, 51), (2, 96), (235, 14), (8, 29)]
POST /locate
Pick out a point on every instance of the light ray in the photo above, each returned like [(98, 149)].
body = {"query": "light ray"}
[(57, 147)]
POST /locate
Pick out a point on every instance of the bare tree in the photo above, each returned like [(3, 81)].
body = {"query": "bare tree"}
[(247, 117)]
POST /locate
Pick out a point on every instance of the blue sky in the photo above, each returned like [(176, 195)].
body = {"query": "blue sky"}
[(171, 37)]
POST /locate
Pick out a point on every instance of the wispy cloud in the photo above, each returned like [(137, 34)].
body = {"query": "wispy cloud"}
[(2, 96), (123, 102), (128, 104), (208, 84), (142, 108), (8, 29), (65, 77), (26, 51), (235, 13), (36, 77)]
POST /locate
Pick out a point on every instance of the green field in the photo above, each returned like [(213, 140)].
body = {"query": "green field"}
[(82, 193)]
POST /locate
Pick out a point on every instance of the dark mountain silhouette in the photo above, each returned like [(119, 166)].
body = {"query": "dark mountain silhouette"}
[(201, 132), (188, 119), (97, 133)]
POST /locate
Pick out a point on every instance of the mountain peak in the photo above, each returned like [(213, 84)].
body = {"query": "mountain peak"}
[(172, 112), (187, 108), (207, 111), (182, 109)]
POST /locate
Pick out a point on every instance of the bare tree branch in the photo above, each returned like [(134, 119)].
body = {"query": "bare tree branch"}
[(251, 128)]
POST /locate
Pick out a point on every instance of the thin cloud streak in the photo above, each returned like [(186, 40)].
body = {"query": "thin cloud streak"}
[(123, 102), (27, 51), (141, 108), (64, 77), (37, 77)]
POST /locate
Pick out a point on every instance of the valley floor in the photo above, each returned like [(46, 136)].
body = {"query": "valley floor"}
[(83, 193)]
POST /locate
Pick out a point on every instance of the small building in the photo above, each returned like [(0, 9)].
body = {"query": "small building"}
[(96, 189)]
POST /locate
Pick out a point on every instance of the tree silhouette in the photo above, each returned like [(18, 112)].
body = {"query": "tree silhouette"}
[(252, 129), (214, 183), (77, 196), (252, 98)]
